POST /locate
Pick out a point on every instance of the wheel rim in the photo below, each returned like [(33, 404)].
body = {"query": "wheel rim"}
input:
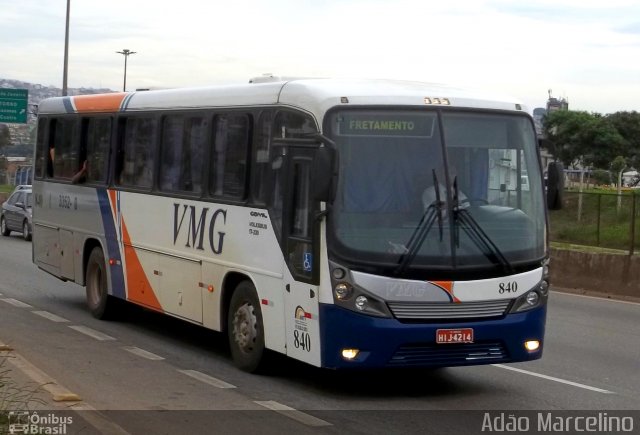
[(3, 225), (25, 230), (245, 331), (94, 285)]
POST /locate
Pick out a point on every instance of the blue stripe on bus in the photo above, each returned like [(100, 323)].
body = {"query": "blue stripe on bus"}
[(125, 102), (67, 105), (113, 250)]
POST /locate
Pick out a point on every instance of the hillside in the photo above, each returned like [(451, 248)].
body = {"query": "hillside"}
[(22, 135)]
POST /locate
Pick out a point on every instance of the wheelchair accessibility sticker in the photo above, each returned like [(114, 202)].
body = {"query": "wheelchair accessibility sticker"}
[(307, 262)]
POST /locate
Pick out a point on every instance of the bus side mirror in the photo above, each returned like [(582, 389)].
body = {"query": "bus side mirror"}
[(555, 185), (323, 174)]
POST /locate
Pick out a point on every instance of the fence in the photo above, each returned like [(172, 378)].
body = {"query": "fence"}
[(606, 220)]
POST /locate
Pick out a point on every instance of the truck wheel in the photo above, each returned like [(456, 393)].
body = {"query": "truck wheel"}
[(98, 299), (245, 328)]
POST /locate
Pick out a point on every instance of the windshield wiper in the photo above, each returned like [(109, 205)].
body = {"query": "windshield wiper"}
[(429, 217), (477, 234)]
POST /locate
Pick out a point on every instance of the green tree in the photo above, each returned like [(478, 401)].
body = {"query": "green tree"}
[(628, 125), (5, 137), (5, 141), (582, 138)]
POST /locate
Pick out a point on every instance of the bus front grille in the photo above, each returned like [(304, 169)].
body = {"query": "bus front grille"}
[(424, 355), (448, 311)]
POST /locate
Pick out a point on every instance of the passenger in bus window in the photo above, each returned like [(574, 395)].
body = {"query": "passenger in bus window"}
[(80, 176), (50, 159)]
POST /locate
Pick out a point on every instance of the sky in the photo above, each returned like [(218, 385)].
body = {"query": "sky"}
[(583, 50)]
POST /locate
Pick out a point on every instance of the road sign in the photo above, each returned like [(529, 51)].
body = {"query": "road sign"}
[(13, 105)]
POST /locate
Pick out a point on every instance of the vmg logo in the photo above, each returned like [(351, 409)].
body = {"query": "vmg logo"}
[(191, 227)]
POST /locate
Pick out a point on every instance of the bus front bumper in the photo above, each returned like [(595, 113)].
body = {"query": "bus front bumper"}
[(384, 342)]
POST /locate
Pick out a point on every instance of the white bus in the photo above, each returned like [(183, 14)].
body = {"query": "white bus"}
[(343, 223)]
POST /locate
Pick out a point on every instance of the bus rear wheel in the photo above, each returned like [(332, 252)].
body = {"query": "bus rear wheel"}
[(98, 299), (246, 329)]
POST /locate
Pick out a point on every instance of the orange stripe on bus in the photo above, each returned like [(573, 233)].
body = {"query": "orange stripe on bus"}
[(448, 287), (138, 284), (99, 103)]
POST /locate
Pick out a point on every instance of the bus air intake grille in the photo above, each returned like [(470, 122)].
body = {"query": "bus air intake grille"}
[(448, 311), (423, 355)]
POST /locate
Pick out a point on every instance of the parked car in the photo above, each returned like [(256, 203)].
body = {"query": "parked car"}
[(15, 214)]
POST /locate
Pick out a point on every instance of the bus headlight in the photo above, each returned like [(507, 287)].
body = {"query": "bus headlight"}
[(544, 287), (362, 303), (343, 291), (530, 300)]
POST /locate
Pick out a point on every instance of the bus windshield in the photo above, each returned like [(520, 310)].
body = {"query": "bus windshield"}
[(437, 190)]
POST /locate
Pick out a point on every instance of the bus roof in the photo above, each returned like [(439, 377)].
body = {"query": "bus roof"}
[(312, 95)]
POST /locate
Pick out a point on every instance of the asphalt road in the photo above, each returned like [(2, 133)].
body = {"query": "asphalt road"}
[(149, 373)]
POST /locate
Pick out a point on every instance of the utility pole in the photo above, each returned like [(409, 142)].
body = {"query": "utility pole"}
[(65, 68), (126, 52)]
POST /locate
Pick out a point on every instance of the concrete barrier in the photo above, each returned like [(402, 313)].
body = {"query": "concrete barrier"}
[(613, 275)]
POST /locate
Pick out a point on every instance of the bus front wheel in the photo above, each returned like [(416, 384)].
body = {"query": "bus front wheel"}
[(98, 299), (245, 328)]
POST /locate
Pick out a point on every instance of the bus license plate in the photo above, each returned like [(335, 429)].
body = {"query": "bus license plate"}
[(464, 335)]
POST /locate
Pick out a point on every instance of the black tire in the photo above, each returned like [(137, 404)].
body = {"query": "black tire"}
[(26, 230), (245, 329), (3, 227), (98, 300)]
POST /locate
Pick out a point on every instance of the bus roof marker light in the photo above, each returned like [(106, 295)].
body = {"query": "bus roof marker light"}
[(344, 100), (427, 100)]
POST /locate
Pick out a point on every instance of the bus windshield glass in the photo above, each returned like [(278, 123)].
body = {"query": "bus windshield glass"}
[(437, 190)]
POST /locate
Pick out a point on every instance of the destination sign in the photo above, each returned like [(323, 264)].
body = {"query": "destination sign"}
[(13, 105), (386, 124)]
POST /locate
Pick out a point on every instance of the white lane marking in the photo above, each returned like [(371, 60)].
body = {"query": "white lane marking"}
[(92, 333), (143, 353), (16, 303), (294, 414), (207, 379), (595, 297), (551, 378), (50, 316)]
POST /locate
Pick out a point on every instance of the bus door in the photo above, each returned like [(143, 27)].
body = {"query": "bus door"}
[(301, 249)]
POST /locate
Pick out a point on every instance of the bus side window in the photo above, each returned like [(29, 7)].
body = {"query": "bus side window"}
[(64, 149), (41, 149), (137, 151), (98, 142), (182, 153), (291, 124), (229, 156), (261, 158)]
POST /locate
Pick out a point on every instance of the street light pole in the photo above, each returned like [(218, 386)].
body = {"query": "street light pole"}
[(65, 67), (126, 52)]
